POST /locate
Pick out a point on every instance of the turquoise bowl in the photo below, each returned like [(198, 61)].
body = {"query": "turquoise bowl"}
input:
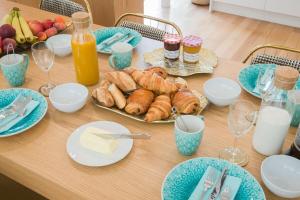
[(184, 177), (104, 33), (8, 95), (248, 76)]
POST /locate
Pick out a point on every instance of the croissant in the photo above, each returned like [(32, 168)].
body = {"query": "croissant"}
[(122, 80), (186, 102), (159, 71), (102, 94), (118, 96), (153, 82), (139, 101), (159, 109)]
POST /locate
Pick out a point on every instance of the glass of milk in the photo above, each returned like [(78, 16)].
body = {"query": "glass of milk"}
[(240, 121), (276, 113)]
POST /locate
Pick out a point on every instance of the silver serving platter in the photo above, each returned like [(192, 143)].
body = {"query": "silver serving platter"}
[(140, 118)]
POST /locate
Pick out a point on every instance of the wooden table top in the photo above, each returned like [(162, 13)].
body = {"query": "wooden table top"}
[(38, 157)]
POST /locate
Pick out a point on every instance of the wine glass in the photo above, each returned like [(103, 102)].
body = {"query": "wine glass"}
[(43, 56), (240, 121)]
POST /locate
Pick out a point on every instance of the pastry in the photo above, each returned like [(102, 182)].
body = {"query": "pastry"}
[(122, 80), (118, 96), (159, 71), (102, 94), (153, 82), (139, 101), (186, 102), (159, 109), (180, 83)]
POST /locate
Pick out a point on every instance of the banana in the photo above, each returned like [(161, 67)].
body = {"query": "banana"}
[(6, 19), (25, 28), (20, 38)]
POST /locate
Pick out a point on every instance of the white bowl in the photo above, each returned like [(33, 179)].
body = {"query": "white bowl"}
[(69, 97), (221, 91), (281, 174), (61, 44)]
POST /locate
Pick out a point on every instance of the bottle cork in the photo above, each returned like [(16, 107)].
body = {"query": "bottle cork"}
[(81, 19), (286, 77)]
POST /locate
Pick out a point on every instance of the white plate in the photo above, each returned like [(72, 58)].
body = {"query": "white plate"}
[(91, 158)]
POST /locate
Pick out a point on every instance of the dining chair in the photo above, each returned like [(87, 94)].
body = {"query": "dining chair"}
[(148, 26), (65, 7), (274, 54)]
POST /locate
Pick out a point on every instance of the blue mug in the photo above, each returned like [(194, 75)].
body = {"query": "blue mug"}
[(121, 55), (14, 67), (188, 133)]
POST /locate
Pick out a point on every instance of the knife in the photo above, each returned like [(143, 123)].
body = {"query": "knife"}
[(109, 43), (123, 136), (219, 185)]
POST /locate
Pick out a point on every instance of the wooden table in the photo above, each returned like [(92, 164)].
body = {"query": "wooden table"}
[(38, 157)]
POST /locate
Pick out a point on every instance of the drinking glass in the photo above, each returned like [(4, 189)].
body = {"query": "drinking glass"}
[(43, 56), (240, 121)]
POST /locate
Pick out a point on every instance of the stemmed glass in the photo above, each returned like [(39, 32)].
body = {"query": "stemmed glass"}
[(240, 121), (43, 56)]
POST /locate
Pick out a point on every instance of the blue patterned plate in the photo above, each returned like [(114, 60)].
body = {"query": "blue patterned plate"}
[(184, 177), (8, 95), (102, 34), (248, 76)]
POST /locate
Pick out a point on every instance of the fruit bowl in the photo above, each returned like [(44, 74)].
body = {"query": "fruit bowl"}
[(17, 34)]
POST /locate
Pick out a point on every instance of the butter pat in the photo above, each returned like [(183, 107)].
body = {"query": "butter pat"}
[(89, 140)]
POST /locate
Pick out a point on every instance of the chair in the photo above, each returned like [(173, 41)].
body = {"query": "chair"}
[(151, 27), (274, 54), (65, 7)]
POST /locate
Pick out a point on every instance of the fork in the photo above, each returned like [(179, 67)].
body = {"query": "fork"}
[(208, 183)]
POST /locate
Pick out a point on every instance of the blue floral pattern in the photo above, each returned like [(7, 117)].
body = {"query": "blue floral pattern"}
[(8, 95), (188, 143), (183, 178)]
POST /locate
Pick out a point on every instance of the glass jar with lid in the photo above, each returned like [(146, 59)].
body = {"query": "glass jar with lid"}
[(172, 46), (275, 113), (84, 50), (191, 48)]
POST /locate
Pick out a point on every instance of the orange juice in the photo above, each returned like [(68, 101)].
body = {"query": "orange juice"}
[(85, 60)]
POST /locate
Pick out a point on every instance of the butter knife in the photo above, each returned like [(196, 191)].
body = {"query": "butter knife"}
[(113, 41), (123, 136), (219, 185)]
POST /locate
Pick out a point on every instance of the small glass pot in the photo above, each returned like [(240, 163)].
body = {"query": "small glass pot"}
[(191, 48), (172, 46)]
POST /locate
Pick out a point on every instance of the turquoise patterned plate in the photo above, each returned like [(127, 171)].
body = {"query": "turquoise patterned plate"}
[(184, 177), (102, 34), (8, 95), (248, 76)]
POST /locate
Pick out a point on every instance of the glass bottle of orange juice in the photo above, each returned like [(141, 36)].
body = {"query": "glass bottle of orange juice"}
[(84, 50)]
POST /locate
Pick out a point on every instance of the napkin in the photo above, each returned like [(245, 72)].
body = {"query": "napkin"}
[(232, 182), (102, 47), (12, 120), (264, 80)]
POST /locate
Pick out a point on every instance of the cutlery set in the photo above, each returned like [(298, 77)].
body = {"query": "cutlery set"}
[(16, 109), (114, 39), (219, 183)]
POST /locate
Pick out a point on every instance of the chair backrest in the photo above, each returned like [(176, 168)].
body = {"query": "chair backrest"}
[(64, 7), (274, 54), (151, 27)]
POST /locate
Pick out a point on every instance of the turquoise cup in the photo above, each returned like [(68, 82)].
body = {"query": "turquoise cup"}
[(14, 67), (188, 133), (121, 55)]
